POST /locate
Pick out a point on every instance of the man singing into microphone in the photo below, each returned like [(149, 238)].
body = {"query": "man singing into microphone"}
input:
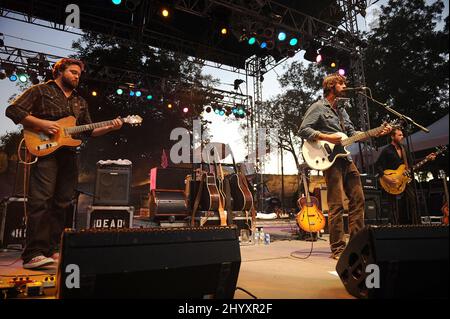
[(323, 119)]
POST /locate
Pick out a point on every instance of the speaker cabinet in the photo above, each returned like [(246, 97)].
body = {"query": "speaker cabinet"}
[(413, 262), (177, 263), (112, 185), (168, 178), (12, 223)]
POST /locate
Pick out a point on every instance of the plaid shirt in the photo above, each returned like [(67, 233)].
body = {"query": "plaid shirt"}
[(48, 102)]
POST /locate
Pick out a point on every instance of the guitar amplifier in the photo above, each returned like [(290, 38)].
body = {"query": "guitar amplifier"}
[(369, 181), (168, 204), (112, 185), (168, 178), (12, 223)]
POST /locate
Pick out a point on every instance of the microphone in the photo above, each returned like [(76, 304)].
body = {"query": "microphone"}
[(359, 88)]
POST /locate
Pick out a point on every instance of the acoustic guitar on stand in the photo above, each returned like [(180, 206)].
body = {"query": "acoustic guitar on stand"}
[(444, 208), (42, 144)]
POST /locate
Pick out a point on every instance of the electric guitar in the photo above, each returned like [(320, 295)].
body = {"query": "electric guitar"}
[(321, 155), (310, 218), (402, 176), (42, 144)]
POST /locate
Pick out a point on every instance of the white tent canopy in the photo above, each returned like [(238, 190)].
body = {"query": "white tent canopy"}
[(437, 136)]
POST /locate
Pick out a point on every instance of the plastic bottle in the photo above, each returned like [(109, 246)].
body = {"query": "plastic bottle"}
[(261, 236)]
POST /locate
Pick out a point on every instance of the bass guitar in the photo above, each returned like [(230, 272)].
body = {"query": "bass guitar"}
[(41, 144), (402, 176), (310, 218), (321, 155)]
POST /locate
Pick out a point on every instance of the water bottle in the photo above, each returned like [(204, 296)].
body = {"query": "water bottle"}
[(267, 239), (261, 236), (256, 237)]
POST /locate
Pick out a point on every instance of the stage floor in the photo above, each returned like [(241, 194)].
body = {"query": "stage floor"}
[(267, 271)]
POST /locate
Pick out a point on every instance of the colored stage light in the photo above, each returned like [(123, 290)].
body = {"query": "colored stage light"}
[(138, 93), (252, 41), (149, 97), (263, 45), (13, 78), (117, 2), (333, 64), (341, 72), (165, 13), (293, 42), (222, 113), (94, 93), (169, 106), (282, 36), (132, 93), (224, 31), (185, 110), (119, 91), (208, 109), (319, 58), (23, 78), (241, 112), (217, 111)]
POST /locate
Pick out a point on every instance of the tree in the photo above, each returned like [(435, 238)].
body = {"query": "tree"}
[(285, 112), (169, 78), (406, 61)]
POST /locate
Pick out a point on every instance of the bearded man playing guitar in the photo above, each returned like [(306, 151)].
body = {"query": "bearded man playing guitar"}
[(322, 121), (404, 206), (53, 178)]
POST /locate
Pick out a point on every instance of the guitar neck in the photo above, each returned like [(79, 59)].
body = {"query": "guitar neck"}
[(423, 162), (363, 135), (305, 186), (87, 127)]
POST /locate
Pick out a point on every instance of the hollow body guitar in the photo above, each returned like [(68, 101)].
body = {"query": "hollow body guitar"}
[(242, 197), (310, 218), (402, 176), (40, 144)]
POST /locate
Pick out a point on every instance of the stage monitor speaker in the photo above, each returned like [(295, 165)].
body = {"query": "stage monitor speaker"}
[(412, 260), (112, 185), (159, 263), (372, 205)]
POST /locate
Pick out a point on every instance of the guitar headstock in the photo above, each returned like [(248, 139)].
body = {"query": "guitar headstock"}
[(440, 149), (133, 120)]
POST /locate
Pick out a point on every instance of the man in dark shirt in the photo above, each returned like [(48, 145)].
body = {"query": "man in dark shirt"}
[(53, 178), (322, 120), (404, 208)]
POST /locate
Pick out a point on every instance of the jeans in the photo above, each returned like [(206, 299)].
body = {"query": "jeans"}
[(342, 177), (51, 189)]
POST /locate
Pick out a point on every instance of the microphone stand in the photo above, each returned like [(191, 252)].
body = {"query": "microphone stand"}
[(409, 121)]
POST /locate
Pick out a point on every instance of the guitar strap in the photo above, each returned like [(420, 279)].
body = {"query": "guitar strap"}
[(341, 120), (197, 200), (405, 159)]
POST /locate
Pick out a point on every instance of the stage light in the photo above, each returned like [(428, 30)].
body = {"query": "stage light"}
[(208, 109), (13, 78), (132, 93), (282, 36), (222, 113), (341, 72), (149, 97), (241, 112), (94, 93), (224, 31), (263, 45), (319, 58), (169, 106), (138, 93), (117, 2), (185, 110), (333, 64), (252, 41), (293, 42), (23, 78), (165, 13), (119, 91), (217, 111)]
